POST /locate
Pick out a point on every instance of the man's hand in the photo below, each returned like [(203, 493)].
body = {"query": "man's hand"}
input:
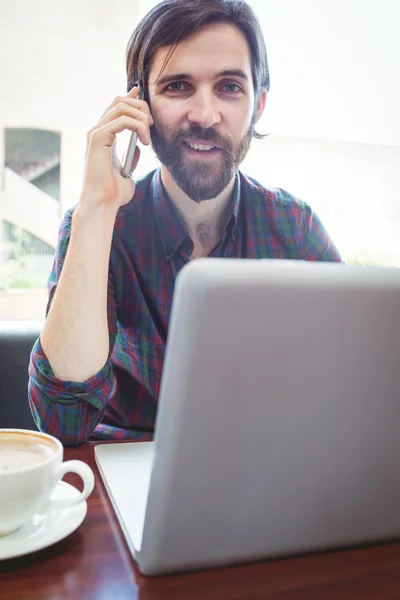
[(103, 183), (75, 337)]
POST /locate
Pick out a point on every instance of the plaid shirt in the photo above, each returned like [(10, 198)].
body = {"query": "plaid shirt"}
[(149, 248)]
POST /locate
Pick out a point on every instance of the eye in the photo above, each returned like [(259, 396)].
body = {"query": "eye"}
[(231, 88), (176, 86)]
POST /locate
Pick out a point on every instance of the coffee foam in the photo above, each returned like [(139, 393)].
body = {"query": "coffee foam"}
[(22, 450)]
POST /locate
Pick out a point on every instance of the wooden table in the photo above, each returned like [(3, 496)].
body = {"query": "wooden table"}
[(94, 563)]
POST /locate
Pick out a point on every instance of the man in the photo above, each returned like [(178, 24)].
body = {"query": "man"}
[(96, 368)]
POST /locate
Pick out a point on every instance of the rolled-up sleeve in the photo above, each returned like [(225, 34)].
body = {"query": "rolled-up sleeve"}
[(69, 410)]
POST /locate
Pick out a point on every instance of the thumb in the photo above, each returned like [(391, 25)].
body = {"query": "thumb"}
[(136, 158)]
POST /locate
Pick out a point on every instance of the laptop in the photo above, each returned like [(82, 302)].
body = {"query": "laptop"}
[(278, 423)]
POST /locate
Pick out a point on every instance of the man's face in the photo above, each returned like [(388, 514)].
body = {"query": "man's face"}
[(204, 109)]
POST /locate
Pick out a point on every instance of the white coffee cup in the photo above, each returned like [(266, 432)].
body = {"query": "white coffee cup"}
[(31, 465)]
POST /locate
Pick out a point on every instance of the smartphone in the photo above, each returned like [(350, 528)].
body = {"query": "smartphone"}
[(127, 166)]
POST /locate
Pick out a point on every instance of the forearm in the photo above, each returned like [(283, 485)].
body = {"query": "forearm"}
[(75, 337)]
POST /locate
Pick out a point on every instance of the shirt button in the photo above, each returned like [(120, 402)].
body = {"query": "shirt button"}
[(187, 246)]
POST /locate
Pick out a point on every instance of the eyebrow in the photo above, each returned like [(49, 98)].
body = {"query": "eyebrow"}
[(186, 76)]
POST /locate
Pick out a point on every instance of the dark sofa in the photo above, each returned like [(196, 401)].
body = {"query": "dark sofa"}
[(16, 341)]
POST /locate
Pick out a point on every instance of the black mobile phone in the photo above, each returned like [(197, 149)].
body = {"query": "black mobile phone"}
[(127, 166)]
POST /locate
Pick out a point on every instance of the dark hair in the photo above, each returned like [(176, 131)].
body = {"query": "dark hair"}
[(171, 21)]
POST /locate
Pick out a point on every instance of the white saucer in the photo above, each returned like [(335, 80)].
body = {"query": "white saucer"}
[(47, 529)]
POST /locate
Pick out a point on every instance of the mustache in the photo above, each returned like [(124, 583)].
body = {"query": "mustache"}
[(207, 134)]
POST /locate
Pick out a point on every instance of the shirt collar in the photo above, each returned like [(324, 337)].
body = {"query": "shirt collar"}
[(231, 225), (170, 230)]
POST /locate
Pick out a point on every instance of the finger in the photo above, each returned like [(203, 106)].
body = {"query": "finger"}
[(142, 106), (132, 100), (104, 136), (124, 109), (132, 95), (135, 103)]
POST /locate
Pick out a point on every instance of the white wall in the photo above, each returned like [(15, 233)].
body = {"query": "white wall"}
[(61, 63), (334, 78), (334, 68)]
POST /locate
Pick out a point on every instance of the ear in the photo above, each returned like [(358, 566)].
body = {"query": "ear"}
[(260, 106)]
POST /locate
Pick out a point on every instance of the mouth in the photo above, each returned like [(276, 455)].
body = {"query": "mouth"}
[(202, 150)]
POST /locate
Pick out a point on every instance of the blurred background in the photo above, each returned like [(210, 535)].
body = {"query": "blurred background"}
[(332, 117)]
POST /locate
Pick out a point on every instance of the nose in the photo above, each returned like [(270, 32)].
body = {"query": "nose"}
[(203, 109)]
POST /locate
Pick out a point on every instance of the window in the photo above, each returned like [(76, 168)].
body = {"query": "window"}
[(34, 155), (332, 114), (30, 218)]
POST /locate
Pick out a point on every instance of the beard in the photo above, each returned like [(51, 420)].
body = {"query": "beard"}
[(200, 180)]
